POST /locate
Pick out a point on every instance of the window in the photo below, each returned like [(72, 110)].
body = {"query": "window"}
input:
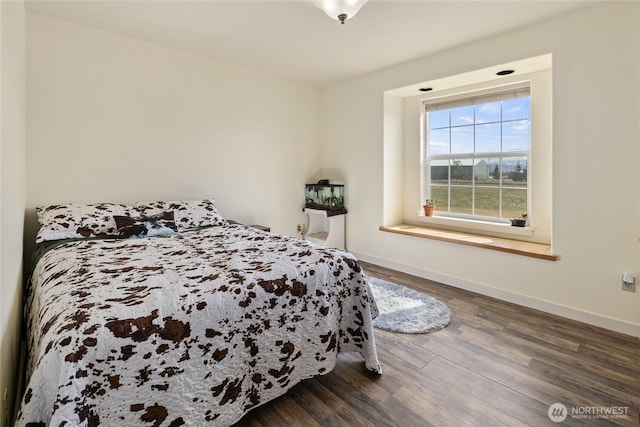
[(511, 190), (477, 153)]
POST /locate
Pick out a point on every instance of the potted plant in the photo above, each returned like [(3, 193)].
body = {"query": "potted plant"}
[(429, 206), (519, 222)]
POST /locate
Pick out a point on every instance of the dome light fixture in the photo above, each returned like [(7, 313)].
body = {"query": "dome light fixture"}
[(340, 10)]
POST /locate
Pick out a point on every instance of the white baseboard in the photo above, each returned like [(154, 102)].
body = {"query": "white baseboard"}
[(523, 300)]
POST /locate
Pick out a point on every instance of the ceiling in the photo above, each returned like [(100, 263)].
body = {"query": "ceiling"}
[(296, 40)]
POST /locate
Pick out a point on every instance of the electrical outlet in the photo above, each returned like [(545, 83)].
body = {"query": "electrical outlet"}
[(301, 228), (629, 286), (628, 282)]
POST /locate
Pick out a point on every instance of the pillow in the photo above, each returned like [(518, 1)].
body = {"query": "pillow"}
[(188, 213), (149, 226), (67, 221)]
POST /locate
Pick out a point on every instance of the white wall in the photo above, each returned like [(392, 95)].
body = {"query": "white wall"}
[(111, 118), (12, 194), (596, 79)]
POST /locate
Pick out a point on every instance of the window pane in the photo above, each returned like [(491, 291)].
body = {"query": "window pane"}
[(462, 116), (487, 201), (461, 200), (462, 139), (515, 109), (439, 170), (439, 141), (487, 172), (440, 196), (514, 202), (462, 171), (439, 119), (488, 138), (488, 113), (514, 172), (515, 135)]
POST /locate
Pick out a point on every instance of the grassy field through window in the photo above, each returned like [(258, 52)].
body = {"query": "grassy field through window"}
[(487, 199)]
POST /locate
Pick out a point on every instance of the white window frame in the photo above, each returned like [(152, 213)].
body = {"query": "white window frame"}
[(463, 99), (540, 167)]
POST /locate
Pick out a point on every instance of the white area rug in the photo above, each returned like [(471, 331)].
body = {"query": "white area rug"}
[(405, 310)]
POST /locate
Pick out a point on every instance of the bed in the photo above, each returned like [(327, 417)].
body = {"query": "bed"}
[(193, 326)]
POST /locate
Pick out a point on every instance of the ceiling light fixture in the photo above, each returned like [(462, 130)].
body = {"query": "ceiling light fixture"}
[(340, 10)]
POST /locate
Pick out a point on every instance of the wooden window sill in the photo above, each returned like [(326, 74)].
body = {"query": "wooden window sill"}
[(535, 250)]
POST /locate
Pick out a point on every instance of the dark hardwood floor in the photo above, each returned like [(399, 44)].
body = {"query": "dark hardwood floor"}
[(496, 364)]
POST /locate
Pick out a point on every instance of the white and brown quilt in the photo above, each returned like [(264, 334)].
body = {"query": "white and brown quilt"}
[(191, 329)]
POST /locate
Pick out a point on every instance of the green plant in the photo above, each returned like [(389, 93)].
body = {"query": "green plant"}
[(429, 202)]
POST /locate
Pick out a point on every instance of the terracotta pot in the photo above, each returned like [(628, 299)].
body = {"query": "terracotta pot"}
[(428, 209)]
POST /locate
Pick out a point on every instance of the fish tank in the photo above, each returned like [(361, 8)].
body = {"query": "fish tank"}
[(323, 195)]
